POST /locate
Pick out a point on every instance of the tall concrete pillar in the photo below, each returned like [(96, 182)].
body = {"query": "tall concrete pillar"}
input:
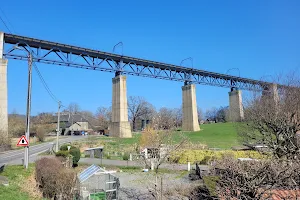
[(3, 91), (120, 127), (271, 91), (236, 111), (189, 108)]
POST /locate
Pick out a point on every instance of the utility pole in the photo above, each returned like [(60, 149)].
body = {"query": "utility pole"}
[(27, 134), (58, 126)]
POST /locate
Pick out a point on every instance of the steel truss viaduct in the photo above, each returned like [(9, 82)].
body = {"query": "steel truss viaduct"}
[(72, 56)]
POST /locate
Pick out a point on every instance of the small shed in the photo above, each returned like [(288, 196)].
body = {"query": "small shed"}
[(94, 152), (97, 183)]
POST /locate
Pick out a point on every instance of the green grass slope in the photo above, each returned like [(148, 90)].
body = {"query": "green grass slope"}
[(219, 135)]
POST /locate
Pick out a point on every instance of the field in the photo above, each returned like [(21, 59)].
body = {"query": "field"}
[(220, 135)]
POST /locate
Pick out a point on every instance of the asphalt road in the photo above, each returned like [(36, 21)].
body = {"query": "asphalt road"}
[(15, 157)]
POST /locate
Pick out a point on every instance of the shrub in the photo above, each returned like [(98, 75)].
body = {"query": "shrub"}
[(205, 160), (62, 153), (75, 152), (53, 179), (107, 156), (65, 183), (211, 184), (203, 156), (40, 133), (64, 147), (46, 170), (126, 156)]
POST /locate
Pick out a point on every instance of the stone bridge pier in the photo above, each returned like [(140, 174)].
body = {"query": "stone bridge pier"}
[(271, 91), (236, 111), (189, 108), (3, 92), (120, 126)]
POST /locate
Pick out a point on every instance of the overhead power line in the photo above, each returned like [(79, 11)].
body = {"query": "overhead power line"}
[(35, 66), (45, 84), (5, 24), (4, 15)]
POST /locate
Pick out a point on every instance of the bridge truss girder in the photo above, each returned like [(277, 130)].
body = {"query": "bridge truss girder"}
[(64, 55)]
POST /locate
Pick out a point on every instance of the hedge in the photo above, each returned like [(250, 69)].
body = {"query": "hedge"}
[(64, 147), (204, 156), (74, 151), (62, 153)]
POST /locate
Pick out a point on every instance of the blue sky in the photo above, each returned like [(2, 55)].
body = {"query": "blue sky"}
[(261, 38)]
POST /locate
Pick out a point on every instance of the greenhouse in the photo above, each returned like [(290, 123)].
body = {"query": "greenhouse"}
[(95, 183)]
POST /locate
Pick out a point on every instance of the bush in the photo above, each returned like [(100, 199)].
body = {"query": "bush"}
[(53, 179), (64, 154), (64, 147), (211, 184), (65, 183), (40, 133), (107, 156), (46, 170), (204, 156), (126, 156), (75, 152)]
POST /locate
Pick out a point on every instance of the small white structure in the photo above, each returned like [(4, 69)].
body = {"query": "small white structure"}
[(154, 152)]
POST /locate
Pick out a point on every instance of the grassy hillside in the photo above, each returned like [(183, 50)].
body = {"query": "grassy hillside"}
[(16, 175), (220, 135)]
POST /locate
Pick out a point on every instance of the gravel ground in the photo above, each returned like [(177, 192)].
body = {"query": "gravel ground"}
[(139, 184)]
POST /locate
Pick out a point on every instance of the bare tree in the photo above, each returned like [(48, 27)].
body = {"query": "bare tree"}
[(16, 125), (257, 179), (43, 118), (211, 114), (73, 108), (217, 114), (222, 114), (274, 121), (158, 147), (43, 124), (200, 114), (164, 119), (177, 114), (103, 116), (139, 108)]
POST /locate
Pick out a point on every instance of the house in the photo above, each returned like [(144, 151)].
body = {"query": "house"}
[(73, 124)]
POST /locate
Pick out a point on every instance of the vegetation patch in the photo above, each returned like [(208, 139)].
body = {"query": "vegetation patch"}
[(17, 176), (74, 152), (211, 184), (205, 156)]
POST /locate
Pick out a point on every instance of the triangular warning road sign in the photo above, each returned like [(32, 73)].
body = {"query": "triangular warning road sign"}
[(23, 141)]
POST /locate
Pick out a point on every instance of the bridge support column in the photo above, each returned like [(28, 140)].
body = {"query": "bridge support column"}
[(189, 108), (236, 111), (3, 92), (271, 91), (120, 127)]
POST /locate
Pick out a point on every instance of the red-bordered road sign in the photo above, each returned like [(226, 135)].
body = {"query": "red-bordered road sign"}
[(23, 142)]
